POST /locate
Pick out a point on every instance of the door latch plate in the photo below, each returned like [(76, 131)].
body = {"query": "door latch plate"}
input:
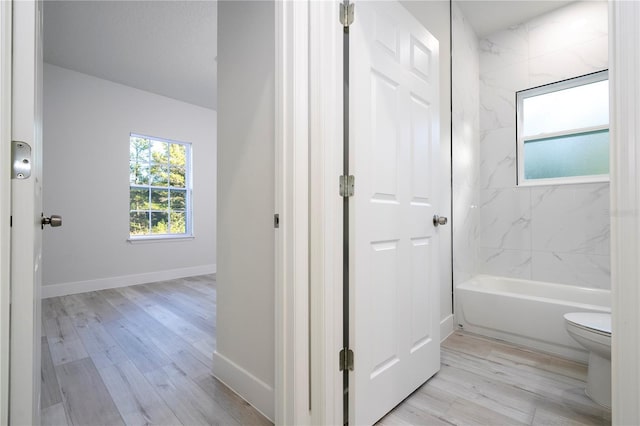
[(20, 160)]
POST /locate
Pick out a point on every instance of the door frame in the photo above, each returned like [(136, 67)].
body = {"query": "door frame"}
[(308, 273), (6, 29), (26, 203), (291, 203), (326, 210), (624, 33)]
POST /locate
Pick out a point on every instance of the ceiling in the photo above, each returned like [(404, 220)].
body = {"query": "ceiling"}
[(163, 47), (488, 17), (170, 47)]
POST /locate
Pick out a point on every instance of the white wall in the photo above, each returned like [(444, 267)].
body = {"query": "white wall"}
[(434, 15), (244, 357), (556, 233), (466, 147), (87, 122)]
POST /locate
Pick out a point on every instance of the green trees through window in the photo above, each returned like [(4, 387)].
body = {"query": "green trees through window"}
[(159, 187)]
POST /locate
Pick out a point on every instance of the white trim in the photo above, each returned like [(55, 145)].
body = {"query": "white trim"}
[(157, 139), (63, 289), (258, 392), (292, 203), (624, 68), (308, 61), (326, 145), (568, 180), (159, 238), (568, 83), (446, 327), (567, 132), (26, 209), (5, 202)]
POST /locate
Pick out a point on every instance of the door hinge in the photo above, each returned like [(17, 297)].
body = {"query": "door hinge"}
[(346, 359), (346, 13), (347, 185)]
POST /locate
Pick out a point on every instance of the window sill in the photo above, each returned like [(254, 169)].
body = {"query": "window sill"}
[(564, 181), (159, 239)]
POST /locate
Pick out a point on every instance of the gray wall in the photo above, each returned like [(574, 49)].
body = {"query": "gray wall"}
[(86, 129), (244, 358)]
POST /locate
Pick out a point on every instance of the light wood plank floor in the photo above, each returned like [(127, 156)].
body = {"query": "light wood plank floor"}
[(136, 355), (486, 382), (142, 355)]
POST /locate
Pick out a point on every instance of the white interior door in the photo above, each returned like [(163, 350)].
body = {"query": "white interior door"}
[(394, 141), (26, 209)]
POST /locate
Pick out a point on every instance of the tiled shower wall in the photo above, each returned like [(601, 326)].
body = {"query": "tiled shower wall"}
[(466, 147), (554, 233)]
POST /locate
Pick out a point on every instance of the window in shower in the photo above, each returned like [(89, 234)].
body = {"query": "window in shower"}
[(563, 131)]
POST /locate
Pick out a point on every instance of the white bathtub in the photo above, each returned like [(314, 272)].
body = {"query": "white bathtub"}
[(528, 313)]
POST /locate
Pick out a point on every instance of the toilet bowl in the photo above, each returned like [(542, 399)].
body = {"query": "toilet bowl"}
[(593, 331)]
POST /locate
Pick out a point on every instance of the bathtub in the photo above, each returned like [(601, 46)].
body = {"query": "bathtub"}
[(528, 313)]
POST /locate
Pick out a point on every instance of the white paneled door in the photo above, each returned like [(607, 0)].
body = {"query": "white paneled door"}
[(394, 142), (26, 210)]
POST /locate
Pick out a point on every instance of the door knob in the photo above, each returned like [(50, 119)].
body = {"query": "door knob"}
[(55, 221), (439, 220)]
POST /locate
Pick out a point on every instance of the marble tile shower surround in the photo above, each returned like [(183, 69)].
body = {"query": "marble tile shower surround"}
[(554, 233), (551, 233), (466, 147)]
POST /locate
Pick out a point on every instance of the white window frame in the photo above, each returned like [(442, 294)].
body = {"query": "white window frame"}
[(188, 234), (550, 88)]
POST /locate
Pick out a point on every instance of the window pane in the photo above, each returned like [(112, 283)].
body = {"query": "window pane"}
[(138, 223), (177, 177), (159, 222), (159, 199), (178, 199), (178, 222), (139, 150), (139, 199), (574, 108), (581, 154), (159, 175), (159, 152), (178, 154), (138, 174)]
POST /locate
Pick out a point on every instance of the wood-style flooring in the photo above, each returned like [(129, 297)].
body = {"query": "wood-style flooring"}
[(142, 355), (136, 355), (486, 382)]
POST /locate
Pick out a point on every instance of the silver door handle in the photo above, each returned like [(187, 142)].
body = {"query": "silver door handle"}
[(439, 220), (55, 221)]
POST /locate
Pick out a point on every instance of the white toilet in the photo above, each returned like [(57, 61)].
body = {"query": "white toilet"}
[(593, 331)]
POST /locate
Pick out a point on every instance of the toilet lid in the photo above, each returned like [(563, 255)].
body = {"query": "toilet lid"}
[(594, 321)]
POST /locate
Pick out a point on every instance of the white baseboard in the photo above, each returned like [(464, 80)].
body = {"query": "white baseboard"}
[(253, 390), (446, 327), (63, 289)]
